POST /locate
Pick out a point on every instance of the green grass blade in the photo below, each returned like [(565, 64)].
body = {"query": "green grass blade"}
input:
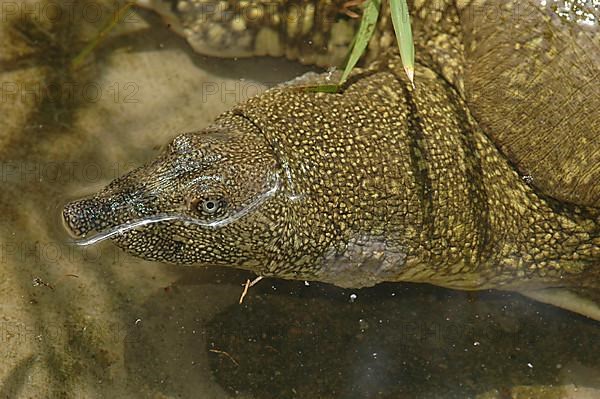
[(401, 22), (366, 29), (367, 26)]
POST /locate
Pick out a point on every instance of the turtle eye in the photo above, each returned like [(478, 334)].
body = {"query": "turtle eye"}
[(209, 206)]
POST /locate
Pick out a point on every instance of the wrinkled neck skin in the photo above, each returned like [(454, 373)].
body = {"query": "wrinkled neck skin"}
[(406, 187)]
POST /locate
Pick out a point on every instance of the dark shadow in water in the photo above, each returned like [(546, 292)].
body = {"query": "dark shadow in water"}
[(289, 340), (17, 378)]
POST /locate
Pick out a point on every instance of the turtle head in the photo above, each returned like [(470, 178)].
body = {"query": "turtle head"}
[(208, 198)]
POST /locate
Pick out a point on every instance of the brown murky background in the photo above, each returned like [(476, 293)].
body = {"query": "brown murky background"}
[(95, 322)]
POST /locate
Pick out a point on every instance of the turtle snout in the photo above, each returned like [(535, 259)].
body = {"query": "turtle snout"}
[(80, 218)]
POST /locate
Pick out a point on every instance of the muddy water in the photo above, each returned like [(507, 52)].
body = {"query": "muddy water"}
[(95, 322)]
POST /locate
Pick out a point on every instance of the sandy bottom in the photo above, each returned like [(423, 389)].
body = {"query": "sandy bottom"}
[(97, 323)]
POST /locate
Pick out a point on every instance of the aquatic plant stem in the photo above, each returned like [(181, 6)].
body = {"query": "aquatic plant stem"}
[(83, 54)]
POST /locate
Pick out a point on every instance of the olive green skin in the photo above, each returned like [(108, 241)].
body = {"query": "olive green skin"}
[(379, 182)]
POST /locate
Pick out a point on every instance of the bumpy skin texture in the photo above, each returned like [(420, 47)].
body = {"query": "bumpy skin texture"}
[(380, 182), (312, 32)]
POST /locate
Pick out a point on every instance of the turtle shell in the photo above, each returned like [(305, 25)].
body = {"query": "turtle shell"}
[(532, 80)]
